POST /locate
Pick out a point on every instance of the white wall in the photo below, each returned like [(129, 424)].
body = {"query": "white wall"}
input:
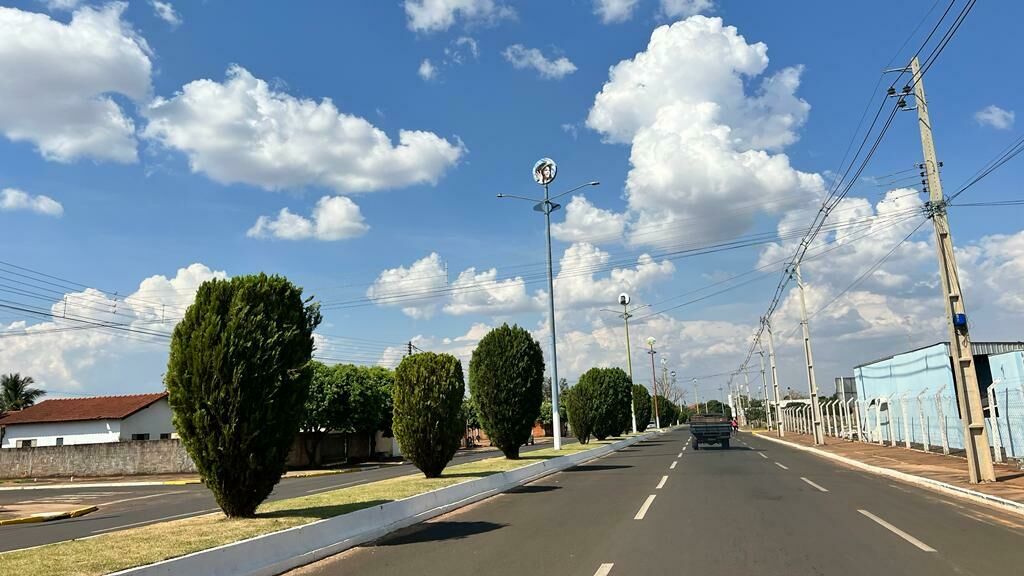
[(154, 420), (46, 433)]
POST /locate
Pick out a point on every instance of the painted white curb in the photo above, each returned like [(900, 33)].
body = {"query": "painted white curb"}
[(278, 552), (981, 497)]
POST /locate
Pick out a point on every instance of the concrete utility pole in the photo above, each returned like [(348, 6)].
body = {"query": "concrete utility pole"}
[(654, 382), (696, 398), (979, 459), (775, 376), (764, 390), (812, 384), (664, 378), (626, 315)]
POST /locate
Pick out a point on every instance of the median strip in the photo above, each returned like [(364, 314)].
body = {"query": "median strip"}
[(898, 532)]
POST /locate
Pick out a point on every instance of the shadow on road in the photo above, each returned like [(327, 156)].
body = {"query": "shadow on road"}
[(440, 531), (597, 467), (533, 489)]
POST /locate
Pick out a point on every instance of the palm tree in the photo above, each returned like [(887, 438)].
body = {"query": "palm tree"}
[(16, 394)]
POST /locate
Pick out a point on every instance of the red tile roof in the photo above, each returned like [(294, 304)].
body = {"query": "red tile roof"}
[(76, 409)]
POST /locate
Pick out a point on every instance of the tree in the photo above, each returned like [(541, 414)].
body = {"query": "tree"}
[(668, 411), (581, 407), (16, 392), (607, 392), (563, 385), (371, 402), (237, 378), (716, 407), (546, 412), (428, 393), (642, 406), (506, 378), (328, 406)]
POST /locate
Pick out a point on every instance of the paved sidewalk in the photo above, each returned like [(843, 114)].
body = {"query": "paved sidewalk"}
[(952, 470)]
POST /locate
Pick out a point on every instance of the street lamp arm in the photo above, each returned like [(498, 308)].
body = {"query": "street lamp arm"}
[(518, 197), (594, 183)]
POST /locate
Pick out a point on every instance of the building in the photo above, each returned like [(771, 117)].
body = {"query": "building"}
[(98, 420), (912, 395)]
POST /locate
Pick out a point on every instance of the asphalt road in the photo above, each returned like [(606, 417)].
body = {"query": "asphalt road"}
[(129, 506), (759, 508)]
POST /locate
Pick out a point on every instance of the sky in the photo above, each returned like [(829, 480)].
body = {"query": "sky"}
[(358, 147)]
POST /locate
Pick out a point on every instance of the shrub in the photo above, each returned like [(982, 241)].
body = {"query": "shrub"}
[(581, 407), (238, 376), (642, 405), (427, 396), (506, 378), (614, 391)]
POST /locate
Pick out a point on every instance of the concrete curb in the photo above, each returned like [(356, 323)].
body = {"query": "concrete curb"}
[(49, 516), (100, 485), (936, 485), (281, 551)]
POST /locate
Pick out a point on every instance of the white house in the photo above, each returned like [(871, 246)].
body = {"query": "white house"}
[(60, 422)]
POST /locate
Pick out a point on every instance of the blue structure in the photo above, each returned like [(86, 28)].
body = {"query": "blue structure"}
[(911, 395)]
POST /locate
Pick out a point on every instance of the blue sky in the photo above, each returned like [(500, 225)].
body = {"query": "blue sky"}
[(197, 185)]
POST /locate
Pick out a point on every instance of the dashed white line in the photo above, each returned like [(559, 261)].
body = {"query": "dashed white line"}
[(820, 489), (783, 466), (898, 532), (201, 512), (680, 455), (761, 454), (673, 466), (662, 483), (643, 509), (604, 569)]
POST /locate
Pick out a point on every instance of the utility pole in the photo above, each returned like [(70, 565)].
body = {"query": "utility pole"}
[(979, 459), (409, 349), (626, 315), (812, 384), (654, 382), (764, 391), (664, 378), (696, 398), (775, 375)]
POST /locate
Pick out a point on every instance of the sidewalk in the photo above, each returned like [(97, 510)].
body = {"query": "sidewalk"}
[(951, 470)]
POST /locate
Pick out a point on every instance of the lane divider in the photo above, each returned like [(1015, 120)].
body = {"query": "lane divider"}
[(604, 569), (680, 455), (673, 466), (783, 466), (761, 454), (643, 509), (898, 532), (662, 483), (820, 489)]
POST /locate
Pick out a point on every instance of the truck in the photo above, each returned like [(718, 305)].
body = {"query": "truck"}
[(710, 429)]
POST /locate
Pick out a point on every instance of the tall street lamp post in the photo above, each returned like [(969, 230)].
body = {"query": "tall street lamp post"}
[(544, 172), (627, 313)]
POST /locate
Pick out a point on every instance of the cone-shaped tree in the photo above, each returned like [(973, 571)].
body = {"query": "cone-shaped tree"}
[(427, 395), (642, 404), (615, 391), (237, 379), (506, 380)]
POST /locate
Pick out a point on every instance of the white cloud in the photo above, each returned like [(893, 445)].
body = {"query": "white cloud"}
[(484, 293), (414, 289), (58, 79), (243, 131), (570, 129), (998, 264), (334, 218), (436, 15), (55, 5), (427, 70), (685, 8), (522, 57), (577, 285), (995, 117), (12, 199), (165, 11), (612, 11), (586, 222), (699, 140)]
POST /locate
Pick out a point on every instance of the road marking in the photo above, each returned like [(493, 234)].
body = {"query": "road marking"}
[(604, 569), (761, 454), (201, 512), (813, 484), (643, 509), (685, 447), (673, 466), (144, 497), (662, 483), (783, 466), (898, 532), (334, 487), (680, 455)]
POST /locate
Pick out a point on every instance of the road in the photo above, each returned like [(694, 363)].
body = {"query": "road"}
[(129, 506), (759, 508)]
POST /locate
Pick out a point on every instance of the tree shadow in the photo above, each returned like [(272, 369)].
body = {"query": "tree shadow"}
[(532, 489), (597, 467), (440, 532)]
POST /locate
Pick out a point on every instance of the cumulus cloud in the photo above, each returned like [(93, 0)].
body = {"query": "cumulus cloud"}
[(55, 5), (241, 130), (584, 221), (437, 15), (995, 117), (12, 199), (522, 57), (706, 126), (996, 263), (334, 218), (427, 70), (413, 288), (684, 8), (612, 11), (484, 293), (577, 285), (165, 11), (59, 78)]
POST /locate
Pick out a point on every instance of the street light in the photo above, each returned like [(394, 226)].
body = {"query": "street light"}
[(654, 381), (544, 172), (626, 315)]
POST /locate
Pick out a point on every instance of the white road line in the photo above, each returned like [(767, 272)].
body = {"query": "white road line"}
[(335, 487), (680, 455), (781, 466), (201, 512), (662, 483), (898, 532), (761, 454), (673, 466), (604, 569), (143, 497), (643, 509), (813, 484)]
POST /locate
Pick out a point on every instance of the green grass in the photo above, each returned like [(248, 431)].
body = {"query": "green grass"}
[(145, 545)]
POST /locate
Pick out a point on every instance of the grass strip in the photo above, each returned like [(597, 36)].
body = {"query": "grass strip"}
[(147, 544)]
